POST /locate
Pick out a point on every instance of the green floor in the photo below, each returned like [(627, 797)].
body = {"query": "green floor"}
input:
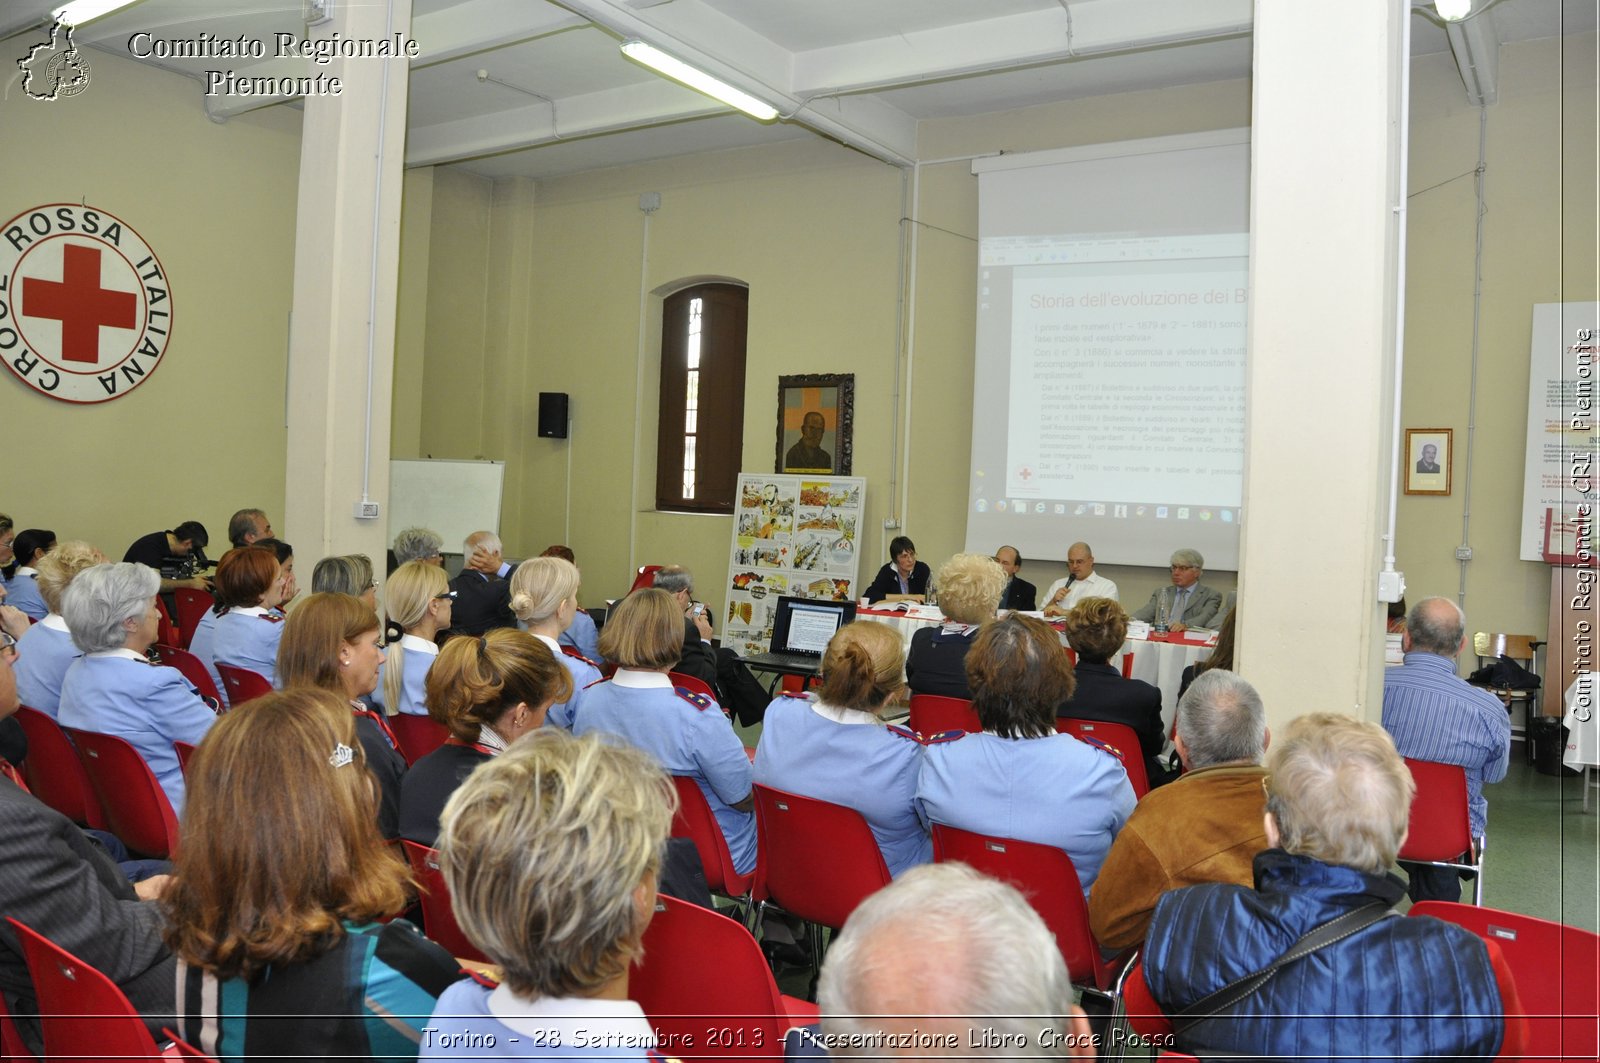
[(1542, 849)]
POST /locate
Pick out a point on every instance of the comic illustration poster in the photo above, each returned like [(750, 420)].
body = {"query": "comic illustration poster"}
[(795, 536)]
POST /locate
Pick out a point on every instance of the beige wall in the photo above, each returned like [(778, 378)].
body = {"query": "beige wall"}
[(204, 434)]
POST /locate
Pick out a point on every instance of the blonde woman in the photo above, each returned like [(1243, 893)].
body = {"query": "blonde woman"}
[(45, 651), (419, 608), (834, 745), (544, 596), (969, 590)]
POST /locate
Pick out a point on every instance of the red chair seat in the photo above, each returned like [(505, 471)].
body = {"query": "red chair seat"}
[(53, 772), (438, 913), (242, 684), (934, 713), (817, 860), (82, 1013), (418, 735), (193, 669), (136, 807), (1439, 833), (695, 820), (192, 605)]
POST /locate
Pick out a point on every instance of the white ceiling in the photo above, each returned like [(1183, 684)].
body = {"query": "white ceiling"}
[(526, 87)]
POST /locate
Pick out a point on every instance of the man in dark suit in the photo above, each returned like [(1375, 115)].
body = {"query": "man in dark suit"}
[(483, 587), (60, 883), (1096, 629), (1019, 593)]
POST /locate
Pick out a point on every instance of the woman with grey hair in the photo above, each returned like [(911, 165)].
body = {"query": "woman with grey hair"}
[(418, 544), (969, 592), (113, 689), (551, 852), (346, 574)]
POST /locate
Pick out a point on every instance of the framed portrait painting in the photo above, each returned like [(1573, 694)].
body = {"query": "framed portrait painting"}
[(1427, 461), (815, 415)]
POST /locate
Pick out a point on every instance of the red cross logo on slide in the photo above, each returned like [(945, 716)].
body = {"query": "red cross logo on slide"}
[(79, 303)]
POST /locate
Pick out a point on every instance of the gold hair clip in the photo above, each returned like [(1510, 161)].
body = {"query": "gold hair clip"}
[(341, 756)]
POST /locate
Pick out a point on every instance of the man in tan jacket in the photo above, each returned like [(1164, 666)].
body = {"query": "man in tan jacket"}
[(1204, 827)]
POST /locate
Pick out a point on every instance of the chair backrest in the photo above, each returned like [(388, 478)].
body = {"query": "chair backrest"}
[(54, 773), (192, 669), (1439, 827), (11, 1044), (703, 971), (694, 685), (184, 750), (438, 912), (645, 578), (1556, 969), (1044, 875), (695, 820), (242, 684), (136, 807), (418, 735), (1123, 742), (816, 860), (82, 1013), (1492, 645), (933, 713), (1127, 665), (192, 605), (166, 630)]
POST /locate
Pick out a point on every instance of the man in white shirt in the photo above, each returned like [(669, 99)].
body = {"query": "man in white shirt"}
[(1080, 583)]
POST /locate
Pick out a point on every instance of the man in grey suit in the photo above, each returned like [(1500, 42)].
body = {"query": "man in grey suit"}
[(1188, 602), (57, 881)]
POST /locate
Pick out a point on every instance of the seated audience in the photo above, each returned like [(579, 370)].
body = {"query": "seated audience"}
[(248, 626), (1204, 827), (22, 589), (181, 550), (1080, 582), (333, 642), (8, 556), (421, 604), (582, 636), (1020, 778), (277, 909), (248, 527), (1188, 602), (903, 576), (45, 651), (969, 587), (285, 555), (1221, 655), (113, 688), (834, 746), (551, 852), (483, 597), (418, 544), (347, 574), (544, 599), (945, 952), (718, 668), (54, 879), (686, 733), (1338, 799), (488, 691), (1018, 594), (1096, 628)]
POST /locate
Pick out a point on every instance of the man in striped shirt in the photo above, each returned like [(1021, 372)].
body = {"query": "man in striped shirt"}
[(1435, 715)]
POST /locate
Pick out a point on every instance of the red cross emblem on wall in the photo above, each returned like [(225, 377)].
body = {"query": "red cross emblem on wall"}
[(79, 303)]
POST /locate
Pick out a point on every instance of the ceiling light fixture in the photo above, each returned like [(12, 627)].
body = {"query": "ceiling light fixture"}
[(79, 12), (678, 70), (1453, 10)]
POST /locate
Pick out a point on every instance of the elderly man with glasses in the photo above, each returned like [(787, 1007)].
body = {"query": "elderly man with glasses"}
[(1188, 602)]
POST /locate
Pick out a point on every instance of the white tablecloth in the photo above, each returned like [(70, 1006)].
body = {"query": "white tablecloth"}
[(1583, 726)]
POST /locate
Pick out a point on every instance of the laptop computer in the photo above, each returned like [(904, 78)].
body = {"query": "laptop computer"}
[(801, 629)]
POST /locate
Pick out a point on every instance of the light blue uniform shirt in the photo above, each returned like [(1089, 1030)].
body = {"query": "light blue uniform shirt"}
[(686, 738), (200, 644), (247, 637), (562, 713), (44, 653), (474, 1022), (848, 758), (582, 636), (1053, 790), (149, 706), (418, 657), (22, 592)]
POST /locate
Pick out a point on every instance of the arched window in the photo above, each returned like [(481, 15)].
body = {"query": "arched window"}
[(701, 428)]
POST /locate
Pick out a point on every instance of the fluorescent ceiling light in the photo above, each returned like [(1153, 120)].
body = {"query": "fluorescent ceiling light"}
[(678, 70), (80, 11), (1453, 10)]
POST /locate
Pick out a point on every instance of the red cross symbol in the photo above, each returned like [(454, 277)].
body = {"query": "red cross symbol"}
[(1026, 474), (79, 303)]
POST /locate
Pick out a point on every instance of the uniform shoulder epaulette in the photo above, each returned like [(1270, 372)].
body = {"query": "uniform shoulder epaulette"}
[(271, 618), (481, 978), (903, 732), (1104, 747), (699, 701), (570, 652), (597, 682), (798, 695), (939, 738)]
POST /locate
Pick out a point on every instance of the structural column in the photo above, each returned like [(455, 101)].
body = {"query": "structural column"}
[(1324, 169), (342, 334)]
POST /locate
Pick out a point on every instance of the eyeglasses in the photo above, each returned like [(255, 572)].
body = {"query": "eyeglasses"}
[(8, 645), (446, 596)]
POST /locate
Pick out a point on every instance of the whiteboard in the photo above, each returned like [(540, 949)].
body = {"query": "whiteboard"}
[(453, 498)]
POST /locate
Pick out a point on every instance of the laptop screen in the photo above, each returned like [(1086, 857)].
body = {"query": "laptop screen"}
[(805, 626)]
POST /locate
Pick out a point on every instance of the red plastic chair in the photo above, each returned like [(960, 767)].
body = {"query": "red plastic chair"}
[(742, 1004), (1557, 971), (816, 860), (934, 713), (438, 913), (12, 1046), (1127, 665), (184, 750), (645, 578), (695, 820), (1044, 875), (418, 735), (193, 669), (53, 772), (137, 809), (192, 605), (166, 631), (82, 1013), (1120, 738), (242, 684), (1440, 833)]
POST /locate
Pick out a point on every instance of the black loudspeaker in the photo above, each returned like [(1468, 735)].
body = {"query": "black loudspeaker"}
[(553, 414)]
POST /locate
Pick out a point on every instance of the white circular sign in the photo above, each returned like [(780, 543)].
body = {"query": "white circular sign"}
[(85, 310)]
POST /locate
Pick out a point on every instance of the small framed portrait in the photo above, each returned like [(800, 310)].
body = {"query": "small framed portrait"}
[(815, 415), (1427, 461)]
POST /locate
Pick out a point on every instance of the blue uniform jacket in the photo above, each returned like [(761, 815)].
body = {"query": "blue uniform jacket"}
[(248, 638), (22, 592), (200, 644), (418, 657), (860, 764), (582, 636), (583, 674), (44, 653)]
